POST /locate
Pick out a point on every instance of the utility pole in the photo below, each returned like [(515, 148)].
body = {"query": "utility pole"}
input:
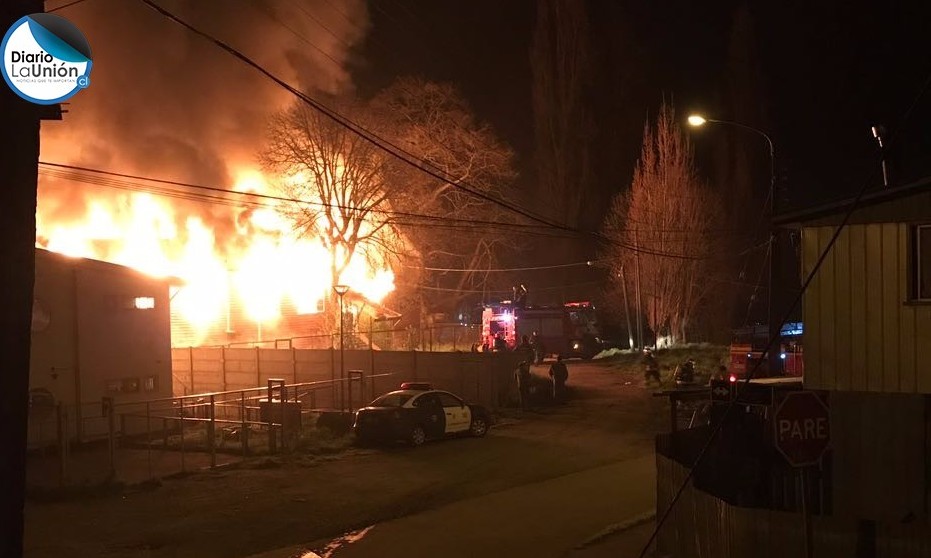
[(639, 306), (19, 122), (630, 329)]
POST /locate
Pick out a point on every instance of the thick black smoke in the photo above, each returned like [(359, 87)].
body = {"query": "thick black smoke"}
[(166, 103)]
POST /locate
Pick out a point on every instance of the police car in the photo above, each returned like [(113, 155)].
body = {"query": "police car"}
[(417, 413)]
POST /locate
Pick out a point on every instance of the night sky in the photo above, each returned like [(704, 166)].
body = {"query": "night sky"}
[(826, 74)]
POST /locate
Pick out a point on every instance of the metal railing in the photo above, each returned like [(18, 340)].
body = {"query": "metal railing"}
[(239, 423)]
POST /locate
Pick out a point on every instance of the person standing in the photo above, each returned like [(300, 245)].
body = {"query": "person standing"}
[(651, 367), (526, 348), (559, 374), (523, 384)]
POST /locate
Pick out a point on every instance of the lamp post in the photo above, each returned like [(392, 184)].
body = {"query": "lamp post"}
[(341, 290), (696, 120)]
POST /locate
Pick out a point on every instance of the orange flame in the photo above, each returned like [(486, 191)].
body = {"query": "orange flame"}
[(261, 265)]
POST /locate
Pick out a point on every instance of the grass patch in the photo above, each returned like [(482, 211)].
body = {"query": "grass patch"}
[(707, 359), (322, 441)]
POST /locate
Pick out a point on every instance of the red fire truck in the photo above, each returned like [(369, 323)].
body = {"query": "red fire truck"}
[(747, 347), (570, 330)]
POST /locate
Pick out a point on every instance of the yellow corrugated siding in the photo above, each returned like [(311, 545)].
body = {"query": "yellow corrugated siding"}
[(860, 334), (810, 309), (873, 301), (858, 341), (922, 348), (842, 309), (826, 287)]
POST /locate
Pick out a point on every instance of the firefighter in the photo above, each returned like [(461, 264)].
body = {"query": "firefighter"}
[(524, 378), (559, 374), (651, 367), (537, 345), (526, 348), (500, 344), (685, 373)]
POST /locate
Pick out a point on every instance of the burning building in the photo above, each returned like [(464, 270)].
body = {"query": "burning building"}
[(247, 269)]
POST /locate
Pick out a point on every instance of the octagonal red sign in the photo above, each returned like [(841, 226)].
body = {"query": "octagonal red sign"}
[(802, 428)]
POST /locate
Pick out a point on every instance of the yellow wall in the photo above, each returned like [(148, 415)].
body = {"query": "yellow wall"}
[(861, 334)]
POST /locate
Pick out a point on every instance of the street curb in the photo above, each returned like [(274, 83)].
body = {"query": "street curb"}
[(615, 528)]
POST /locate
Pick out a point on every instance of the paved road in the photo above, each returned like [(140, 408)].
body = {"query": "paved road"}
[(544, 519), (290, 502)]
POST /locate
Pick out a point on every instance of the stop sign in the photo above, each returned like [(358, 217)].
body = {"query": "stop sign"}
[(802, 428)]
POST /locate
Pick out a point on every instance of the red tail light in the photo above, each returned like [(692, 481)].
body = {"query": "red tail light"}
[(733, 378)]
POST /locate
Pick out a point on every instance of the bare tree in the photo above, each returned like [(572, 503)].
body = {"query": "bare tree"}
[(343, 183), (564, 125), (667, 221), (432, 122)]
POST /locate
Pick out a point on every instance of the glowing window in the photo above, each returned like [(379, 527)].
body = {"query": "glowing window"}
[(144, 303)]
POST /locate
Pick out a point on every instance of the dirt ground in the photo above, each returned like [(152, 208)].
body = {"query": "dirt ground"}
[(268, 503)]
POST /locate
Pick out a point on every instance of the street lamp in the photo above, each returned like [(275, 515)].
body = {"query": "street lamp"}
[(341, 290), (697, 120)]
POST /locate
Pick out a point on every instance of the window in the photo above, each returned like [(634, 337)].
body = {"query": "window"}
[(144, 303), (426, 401), (448, 400), (393, 399), (921, 263), (124, 302), (125, 385), (150, 383)]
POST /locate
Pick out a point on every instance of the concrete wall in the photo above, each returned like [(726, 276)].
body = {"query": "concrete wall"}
[(89, 340), (485, 378)]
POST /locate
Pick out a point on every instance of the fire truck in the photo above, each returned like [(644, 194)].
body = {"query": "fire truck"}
[(747, 347), (570, 330)]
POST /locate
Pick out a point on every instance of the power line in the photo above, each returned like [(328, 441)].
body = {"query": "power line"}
[(63, 6), (117, 180), (774, 336), (263, 197), (497, 291), (396, 151), (403, 155), (314, 18), (363, 133), (557, 266), (269, 12)]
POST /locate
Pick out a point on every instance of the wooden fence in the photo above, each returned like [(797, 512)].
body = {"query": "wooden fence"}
[(701, 525)]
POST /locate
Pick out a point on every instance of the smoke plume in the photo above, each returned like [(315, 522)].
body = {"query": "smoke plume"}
[(166, 103)]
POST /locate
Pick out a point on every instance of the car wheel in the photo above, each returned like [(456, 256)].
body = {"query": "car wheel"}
[(479, 427), (417, 436)]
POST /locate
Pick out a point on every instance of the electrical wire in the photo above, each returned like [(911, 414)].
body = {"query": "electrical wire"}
[(379, 142), (63, 6), (776, 335), (397, 151), (249, 198), (498, 291), (312, 17), (269, 12), (557, 266)]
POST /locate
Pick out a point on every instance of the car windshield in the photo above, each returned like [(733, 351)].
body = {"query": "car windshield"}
[(395, 399)]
